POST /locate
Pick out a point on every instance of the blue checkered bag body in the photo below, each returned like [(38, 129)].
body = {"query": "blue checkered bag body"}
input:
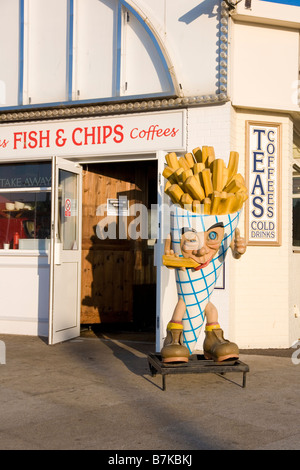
[(196, 287)]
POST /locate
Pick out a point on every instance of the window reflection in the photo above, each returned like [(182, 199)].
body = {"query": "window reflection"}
[(296, 222), (25, 208)]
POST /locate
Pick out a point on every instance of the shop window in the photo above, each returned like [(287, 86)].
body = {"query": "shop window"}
[(95, 33), (296, 210), (45, 72), (138, 48), (25, 206)]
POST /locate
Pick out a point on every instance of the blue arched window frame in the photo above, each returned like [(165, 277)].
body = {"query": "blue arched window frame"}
[(69, 71)]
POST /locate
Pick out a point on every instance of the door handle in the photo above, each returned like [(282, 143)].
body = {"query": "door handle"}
[(57, 253)]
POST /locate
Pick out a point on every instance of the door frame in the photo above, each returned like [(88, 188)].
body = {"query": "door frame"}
[(166, 293), (75, 168)]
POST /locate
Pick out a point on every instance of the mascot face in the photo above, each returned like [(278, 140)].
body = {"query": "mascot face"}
[(201, 246), (201, 237)]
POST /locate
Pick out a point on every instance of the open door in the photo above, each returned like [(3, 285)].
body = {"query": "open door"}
[(65, 252)]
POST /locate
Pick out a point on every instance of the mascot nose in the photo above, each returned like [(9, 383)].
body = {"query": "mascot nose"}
[(201, 251)]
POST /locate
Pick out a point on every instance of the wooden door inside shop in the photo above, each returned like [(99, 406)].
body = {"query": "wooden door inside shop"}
[(118, 287)]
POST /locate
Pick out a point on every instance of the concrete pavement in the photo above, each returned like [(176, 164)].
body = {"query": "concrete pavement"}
[(97, 393)]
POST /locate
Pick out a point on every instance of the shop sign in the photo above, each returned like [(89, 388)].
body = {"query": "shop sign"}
[(263, 162), (147, 132)]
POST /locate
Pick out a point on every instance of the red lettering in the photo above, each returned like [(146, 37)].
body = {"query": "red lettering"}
[(17, 138), (89, 134), (78, 129), (118, 133), (99, 135), (131, 133), (60, 141), (3, 143), (152, 132), (32, 140), (46, 138), (107, 132)]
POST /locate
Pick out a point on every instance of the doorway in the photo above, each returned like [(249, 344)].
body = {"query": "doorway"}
[(118, 286)]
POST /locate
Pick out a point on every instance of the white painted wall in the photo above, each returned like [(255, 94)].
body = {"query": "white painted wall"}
[(24, 293), (264, 66), (269, 12), (261, 290)]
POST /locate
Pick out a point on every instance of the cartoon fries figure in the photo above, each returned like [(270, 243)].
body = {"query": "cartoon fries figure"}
[(196, 248)]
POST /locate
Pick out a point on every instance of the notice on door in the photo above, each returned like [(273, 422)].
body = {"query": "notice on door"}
[(67, 207), (70, 207), (118, 207)]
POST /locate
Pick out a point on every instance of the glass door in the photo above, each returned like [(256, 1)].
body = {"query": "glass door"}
[(65, 253)]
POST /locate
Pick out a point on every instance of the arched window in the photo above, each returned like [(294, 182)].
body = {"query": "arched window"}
[(72, 51)]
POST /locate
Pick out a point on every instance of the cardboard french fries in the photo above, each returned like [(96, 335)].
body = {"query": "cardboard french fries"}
[(215, 202), (233, 164), (178, 174), (189, 159), (198, 167), (198, 155), (207, 206), (183, 163), (169, 173), (194, 188), (233, 186), (207, 182), (217, 171), (186, 200), (171, 159), (176, 192), (197, 206), (205, 154), (186, 174), (202, 183)]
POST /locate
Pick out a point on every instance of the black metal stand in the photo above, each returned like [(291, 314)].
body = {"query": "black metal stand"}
[(197, 365)]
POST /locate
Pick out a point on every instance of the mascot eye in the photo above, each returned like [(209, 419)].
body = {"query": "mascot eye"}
[(212, 235)]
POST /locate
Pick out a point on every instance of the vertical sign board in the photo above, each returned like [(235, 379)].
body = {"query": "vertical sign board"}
[(263, 168)]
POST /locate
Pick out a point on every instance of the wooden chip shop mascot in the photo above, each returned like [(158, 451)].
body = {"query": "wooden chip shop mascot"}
[(207, 198)]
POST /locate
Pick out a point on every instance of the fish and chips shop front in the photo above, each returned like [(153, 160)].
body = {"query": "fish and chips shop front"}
[(71, 197), (84, 131)]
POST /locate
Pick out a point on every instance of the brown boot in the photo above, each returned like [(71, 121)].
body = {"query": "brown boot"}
[(174, 349), (216, 347)]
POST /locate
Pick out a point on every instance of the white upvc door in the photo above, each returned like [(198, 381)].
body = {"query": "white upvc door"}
[(166, 291), (65, 252)]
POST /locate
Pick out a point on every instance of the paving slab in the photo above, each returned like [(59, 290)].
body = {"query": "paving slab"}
[(97, 393)]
